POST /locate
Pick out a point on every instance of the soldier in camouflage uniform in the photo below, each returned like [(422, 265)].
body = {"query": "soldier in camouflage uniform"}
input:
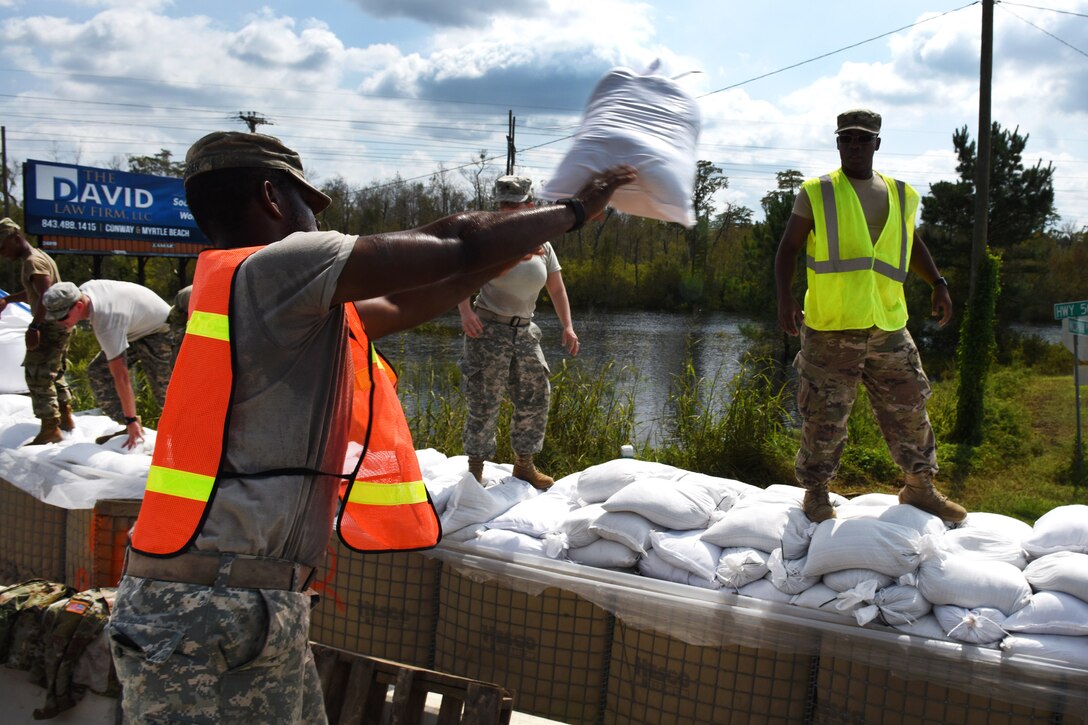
[(129, 322), (502, 351), (857, 229), (46, 342)]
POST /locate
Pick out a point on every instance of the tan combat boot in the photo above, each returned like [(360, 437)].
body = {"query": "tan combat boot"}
[(817, 505), (476, 467), (920, 493), (67, 423), (49, 433), (526, 471)]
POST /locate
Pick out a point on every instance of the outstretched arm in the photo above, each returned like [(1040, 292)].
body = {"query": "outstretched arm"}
[(122, 383), (463, 245)]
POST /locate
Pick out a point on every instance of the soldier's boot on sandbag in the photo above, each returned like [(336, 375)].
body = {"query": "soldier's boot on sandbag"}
[(920, 493), (49, 433), (526, 471), (476, 467), (817, 504), (67, 423)]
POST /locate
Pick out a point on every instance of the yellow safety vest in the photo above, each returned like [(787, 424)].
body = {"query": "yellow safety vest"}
[(854, 284)]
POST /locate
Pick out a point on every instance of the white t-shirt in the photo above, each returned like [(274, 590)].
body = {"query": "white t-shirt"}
[(514, 292), (122, 312)]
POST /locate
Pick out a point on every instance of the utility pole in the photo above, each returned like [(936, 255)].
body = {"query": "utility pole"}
[(511, 151), (982, 165), (4, 161), (253, 120)]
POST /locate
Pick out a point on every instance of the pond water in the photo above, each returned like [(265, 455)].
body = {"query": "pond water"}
[(655, 346)]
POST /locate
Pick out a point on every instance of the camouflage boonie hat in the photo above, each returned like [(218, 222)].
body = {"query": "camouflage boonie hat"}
[(238, 150), (7, 228), (514, 189), (59, 298), (861, 119)]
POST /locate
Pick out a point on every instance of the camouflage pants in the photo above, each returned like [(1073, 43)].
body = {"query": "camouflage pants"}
[(44, 368), (505, 359), (153, 353), (197, 654), (830, 366)]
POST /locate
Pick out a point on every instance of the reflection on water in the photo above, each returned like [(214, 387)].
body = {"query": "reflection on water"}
[(655, 346)]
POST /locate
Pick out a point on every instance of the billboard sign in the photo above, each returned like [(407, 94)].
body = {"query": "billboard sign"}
[(143, 213)]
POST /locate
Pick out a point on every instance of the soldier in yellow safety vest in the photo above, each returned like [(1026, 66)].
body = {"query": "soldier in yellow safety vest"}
[(857, 229), (281, 419)]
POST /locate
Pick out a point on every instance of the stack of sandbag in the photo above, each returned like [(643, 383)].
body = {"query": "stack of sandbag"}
[(991, 581)]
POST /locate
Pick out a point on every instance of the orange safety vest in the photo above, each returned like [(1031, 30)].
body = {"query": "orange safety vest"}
[(385, 505)]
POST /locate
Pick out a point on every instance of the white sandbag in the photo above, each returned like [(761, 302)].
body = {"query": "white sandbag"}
[(655, 566), (763, 589), (1064, 528), (797, 534), (979, 543), (16, 406), (1062, 571), (15, 435), (899, 604), (536, 516), (840, 581), (981, 625), (884, 500), (927, 627), (92, 456), (624, 527), (684, 549), (597, 484), (465, 533), (725, 491), (647, 121), (1012, 529), (604, 554), (796, 494), (509, 542), (901, 514), (567, 486), (669, 504), (471, 503), (576, 527), (862, 543), (825, 599), (430, 459), (788, 574), (1051, 613), (972, 583), (742, 565), (751, 522), (1058, 647)]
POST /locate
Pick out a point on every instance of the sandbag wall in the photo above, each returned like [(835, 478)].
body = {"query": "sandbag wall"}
[(593, 647), (82, 548)]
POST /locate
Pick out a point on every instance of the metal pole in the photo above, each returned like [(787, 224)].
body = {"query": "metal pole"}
[(4, 154), (1078, 460)]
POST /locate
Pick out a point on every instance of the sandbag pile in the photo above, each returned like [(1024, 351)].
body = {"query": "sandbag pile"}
[(991, 581)]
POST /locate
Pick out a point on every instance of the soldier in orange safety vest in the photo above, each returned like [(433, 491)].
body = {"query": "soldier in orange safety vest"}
[(281, 419)]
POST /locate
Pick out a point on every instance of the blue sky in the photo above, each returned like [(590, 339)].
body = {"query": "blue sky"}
[(366, 89)]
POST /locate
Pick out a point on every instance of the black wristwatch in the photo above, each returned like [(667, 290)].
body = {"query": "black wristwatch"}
[(576, 206), (939, 281), (133, 419)]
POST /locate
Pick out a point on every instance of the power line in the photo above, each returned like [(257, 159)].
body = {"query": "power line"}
[(1036, 7), (1041, 30)]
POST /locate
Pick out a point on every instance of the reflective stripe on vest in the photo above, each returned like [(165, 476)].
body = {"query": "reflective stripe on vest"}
[(835, 262), (387, 507)]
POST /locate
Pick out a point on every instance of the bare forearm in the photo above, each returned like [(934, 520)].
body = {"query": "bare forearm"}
[(122, 383)]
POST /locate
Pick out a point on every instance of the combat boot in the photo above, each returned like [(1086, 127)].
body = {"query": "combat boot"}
[(920, 493), (49, 433), (67, 423), (476, 467), (526, 471), (817, 505)]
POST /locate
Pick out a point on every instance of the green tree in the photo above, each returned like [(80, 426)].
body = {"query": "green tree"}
[(758, 282), (157, 164), (708, 182)]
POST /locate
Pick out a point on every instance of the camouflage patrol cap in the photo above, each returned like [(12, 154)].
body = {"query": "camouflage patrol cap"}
[(7, 228), (59, 298), (861, 119), (238, 150), (514, 189)]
